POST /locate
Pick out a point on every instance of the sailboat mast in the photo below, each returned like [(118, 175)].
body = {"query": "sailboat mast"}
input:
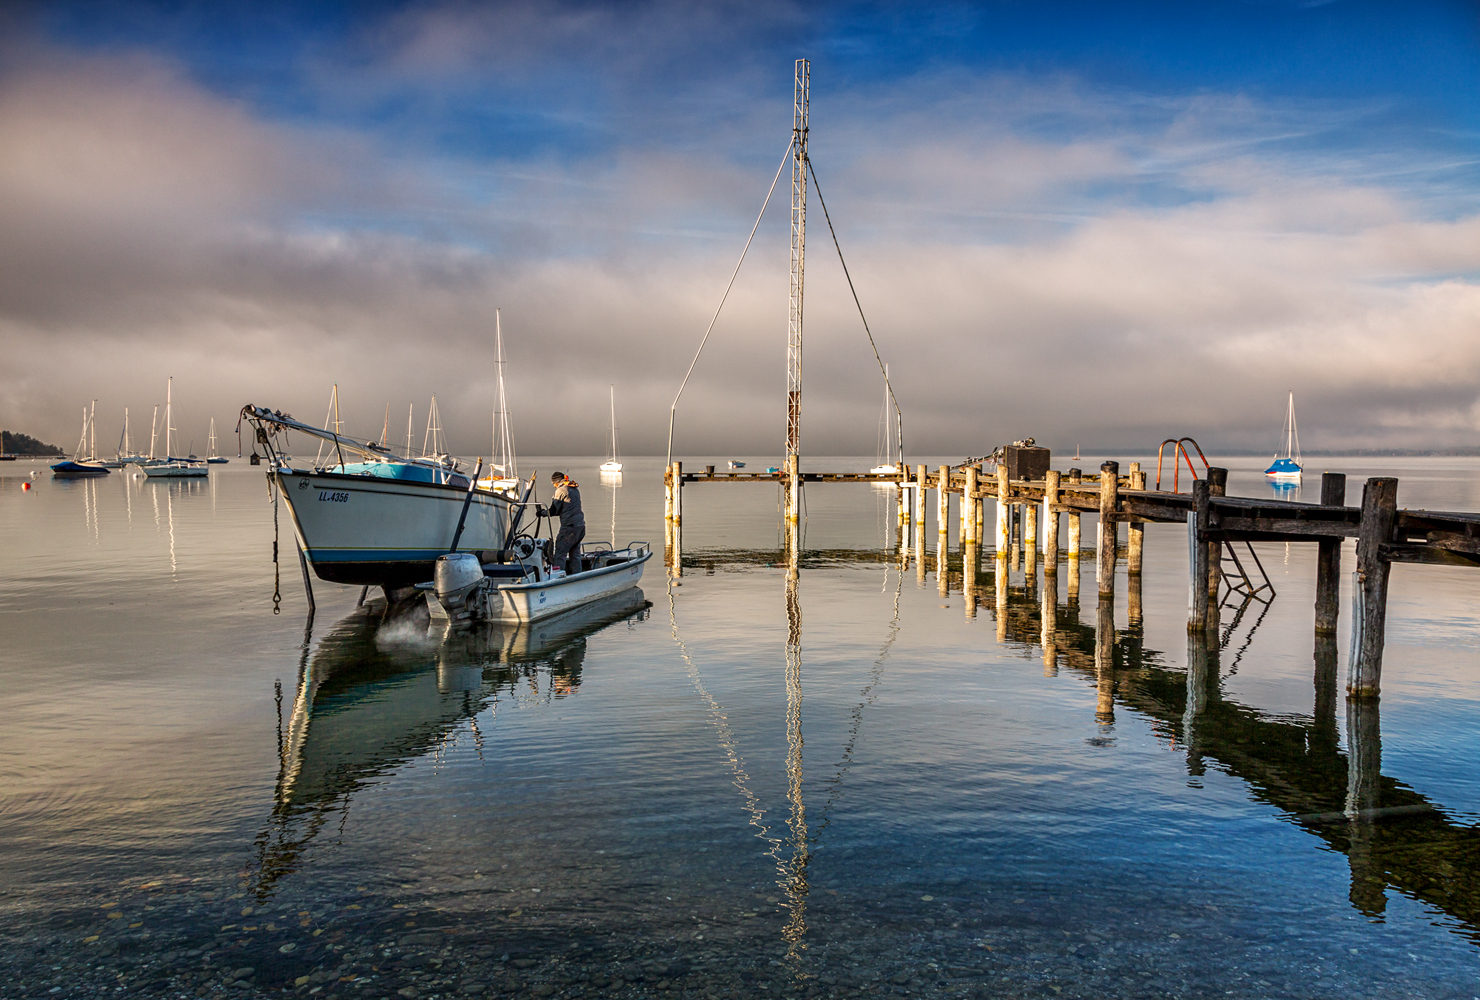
[(614, 421), (153, 430), (92, 433), (385, 430), (410, 407), (169, 416), (128, 447)]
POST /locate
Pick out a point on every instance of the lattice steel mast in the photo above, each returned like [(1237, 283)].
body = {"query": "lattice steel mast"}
[(798, 246)]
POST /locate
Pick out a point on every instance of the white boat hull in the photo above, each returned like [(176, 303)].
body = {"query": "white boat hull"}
[(366, 530), (531, 600), (180, 471)]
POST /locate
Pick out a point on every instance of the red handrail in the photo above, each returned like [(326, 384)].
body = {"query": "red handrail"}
[(1176, 466)]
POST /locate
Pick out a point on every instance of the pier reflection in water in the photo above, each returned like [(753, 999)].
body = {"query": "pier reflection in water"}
[(1394, 838), (373, 695)]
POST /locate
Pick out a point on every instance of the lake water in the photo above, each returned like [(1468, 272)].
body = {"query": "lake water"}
[(719, 786)]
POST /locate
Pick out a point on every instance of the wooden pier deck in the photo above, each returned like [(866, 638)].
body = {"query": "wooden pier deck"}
[(1385, 534)]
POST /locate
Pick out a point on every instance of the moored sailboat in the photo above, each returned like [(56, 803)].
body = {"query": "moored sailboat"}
[(171, 467), (383, 519), (613, 464), (212, 458), (79, 467), (1287, 469)]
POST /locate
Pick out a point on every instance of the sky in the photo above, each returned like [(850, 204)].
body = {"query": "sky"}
[(1096, 224)]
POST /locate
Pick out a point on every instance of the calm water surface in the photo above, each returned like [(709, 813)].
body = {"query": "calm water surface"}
[(715, 787)]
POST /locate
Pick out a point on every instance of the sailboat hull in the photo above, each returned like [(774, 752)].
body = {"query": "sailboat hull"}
[(366, 530)]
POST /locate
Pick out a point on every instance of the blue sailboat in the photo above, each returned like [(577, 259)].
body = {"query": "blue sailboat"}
[(1287, 469)]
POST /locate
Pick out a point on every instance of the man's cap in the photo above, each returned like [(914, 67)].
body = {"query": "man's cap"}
[(555, 477)]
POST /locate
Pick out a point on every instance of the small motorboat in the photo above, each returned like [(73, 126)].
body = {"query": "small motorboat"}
[(736, 465), (525, 588), (1287, 469)]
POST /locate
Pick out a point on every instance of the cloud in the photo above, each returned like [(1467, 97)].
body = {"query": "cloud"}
[(1037, 257)]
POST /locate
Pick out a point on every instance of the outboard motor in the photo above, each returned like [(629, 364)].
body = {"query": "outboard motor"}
[(456, 576)]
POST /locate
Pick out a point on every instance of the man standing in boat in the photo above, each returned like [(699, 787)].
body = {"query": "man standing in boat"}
[(565, 503)]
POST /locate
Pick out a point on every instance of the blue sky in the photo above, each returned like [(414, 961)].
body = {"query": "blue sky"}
[(1257, 188)]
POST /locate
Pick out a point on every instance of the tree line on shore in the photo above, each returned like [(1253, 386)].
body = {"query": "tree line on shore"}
[(12, 443)]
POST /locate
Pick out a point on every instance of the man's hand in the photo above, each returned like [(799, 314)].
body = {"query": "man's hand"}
[(541, 510)]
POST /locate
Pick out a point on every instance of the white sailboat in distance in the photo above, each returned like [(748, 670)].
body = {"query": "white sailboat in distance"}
[(1287, 469), (613, 464)]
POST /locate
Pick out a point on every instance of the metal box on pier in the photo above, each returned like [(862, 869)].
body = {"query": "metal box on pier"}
[(1025, 462)]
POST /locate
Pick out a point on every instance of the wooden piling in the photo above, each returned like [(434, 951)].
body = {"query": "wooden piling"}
[(1050, 523), (677, 493), (1075, 478), (1369, 591), (1135, 533), (1328, 559), (969, 503), (1109, 537), (942, 514), (1217, 487), (1197, 557), (920, 479), (1030, 538), (1363, 802), (1004, 522)]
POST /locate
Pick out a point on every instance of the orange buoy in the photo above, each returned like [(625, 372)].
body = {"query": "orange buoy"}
[(25, 486)]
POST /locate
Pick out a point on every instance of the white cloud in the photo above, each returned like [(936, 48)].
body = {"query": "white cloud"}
[(1185, 251)]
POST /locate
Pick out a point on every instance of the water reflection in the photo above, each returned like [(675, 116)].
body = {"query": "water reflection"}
[(1394, 837), (377, 692)]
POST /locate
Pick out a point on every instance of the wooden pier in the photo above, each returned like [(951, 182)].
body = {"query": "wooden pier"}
[(1030, 510)]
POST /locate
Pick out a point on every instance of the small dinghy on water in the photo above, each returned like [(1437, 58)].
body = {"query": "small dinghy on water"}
[(521, 584), (1287, 470)]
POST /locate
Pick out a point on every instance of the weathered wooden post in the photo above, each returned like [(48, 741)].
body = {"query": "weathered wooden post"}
[(969, 503), (1217, 487), (1109, 538), (1030, 538), (942, 516), (677, 567), (1004, 518), (1050, 523), (1328, 559), (1075, 478), (1105, 661), (921, 479), (1135, 531), (1370, 586), (1197, 557)]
